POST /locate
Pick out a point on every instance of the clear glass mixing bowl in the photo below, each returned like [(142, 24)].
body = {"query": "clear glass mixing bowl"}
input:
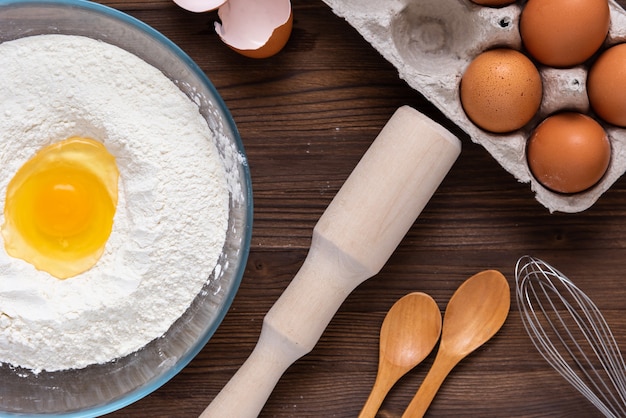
[(100, 389)]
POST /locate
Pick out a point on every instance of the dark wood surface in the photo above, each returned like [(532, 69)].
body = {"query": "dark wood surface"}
[(306, 116)]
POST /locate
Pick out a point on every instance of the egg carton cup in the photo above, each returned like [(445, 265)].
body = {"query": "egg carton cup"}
[(431, 43)]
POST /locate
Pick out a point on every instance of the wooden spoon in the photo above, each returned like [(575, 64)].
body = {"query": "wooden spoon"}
[(408, 334), (476, 311)]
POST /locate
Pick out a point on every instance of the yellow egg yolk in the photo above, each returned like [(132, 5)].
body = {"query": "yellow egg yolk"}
[(60, 205)]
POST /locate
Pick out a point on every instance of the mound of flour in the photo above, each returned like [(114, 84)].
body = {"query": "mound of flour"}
[(171, 218)]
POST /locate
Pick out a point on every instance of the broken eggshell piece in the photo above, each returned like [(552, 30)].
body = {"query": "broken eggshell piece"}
[(432, 42), (199, 6), (255, 28)]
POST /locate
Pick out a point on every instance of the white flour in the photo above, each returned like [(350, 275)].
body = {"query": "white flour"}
[(173, 203)]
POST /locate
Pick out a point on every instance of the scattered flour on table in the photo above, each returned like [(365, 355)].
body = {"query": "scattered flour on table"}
[(171, 218)]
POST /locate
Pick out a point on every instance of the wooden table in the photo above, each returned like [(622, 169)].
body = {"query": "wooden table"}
[(306, 116)]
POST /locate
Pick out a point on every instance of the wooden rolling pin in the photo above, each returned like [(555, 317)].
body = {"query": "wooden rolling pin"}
[(351, 242)]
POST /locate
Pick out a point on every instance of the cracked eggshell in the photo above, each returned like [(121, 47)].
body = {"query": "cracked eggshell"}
[(255, 28), (432, 42), (199, 6)]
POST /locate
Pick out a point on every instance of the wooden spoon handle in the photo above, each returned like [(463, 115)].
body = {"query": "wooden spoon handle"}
[(351, 242), (381, 387), (432, 382)]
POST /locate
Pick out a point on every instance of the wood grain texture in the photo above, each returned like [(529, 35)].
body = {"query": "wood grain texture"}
[(306, 116)]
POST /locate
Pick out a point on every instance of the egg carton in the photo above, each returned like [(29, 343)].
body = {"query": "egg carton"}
[(431, 43)]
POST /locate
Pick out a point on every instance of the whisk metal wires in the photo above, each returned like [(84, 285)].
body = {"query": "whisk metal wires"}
[(572, 335)]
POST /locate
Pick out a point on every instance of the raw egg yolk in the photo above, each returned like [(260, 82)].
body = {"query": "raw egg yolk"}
[(60, 205)]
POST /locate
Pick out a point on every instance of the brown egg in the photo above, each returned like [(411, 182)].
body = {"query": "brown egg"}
[(606, 85), (494, 3), (501, 90), (568, 152), (563, 33)]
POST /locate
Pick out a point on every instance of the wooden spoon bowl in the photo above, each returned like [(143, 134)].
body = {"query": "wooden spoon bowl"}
[(408, 334)]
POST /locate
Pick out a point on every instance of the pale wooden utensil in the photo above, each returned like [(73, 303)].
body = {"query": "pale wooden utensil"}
[(351, 242), (476, 311), (408, 334)]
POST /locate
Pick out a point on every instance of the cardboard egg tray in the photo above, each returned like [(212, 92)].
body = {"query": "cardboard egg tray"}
[(431, 43)]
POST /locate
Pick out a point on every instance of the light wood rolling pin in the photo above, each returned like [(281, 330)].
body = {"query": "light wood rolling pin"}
[(351, 242)]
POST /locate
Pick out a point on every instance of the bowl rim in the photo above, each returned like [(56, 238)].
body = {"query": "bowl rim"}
[(154, 384)]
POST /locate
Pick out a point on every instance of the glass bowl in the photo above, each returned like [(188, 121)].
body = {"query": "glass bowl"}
[(103, 388)]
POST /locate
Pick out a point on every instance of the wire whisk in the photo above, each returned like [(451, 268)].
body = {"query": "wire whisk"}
[(571, 334)]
